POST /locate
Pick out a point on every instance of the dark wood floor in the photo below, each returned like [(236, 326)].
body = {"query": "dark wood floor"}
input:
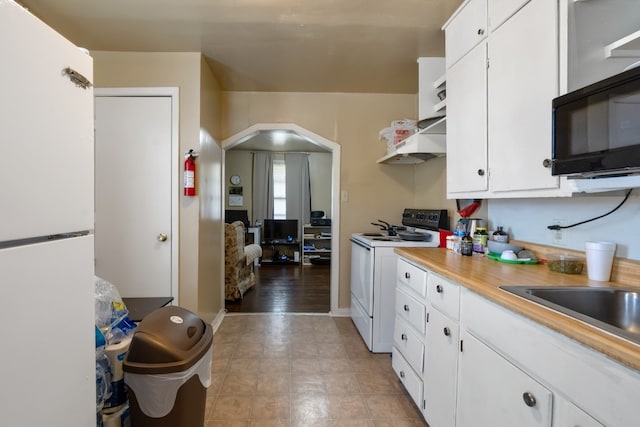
[(286, 288)]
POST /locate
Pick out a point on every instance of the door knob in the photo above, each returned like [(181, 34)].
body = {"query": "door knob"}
[(162, 237)]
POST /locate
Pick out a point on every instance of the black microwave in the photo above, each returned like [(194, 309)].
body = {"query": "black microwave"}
[(596, 129)]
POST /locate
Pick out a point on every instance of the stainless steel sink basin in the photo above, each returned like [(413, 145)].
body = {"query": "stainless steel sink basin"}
[(615, 310)]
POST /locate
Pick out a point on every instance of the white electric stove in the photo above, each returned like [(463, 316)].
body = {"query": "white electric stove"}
[(373, 272)]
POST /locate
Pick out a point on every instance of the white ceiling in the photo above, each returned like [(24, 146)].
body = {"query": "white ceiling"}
[(368, 46)]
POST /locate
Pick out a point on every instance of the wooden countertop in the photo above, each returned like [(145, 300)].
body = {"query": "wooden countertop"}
[(484, 276)]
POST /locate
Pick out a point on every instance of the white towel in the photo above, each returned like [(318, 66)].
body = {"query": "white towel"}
[(251, 252)]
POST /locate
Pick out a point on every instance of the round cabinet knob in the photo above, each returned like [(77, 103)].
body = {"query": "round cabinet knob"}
[(162, 237), (407, 275), (446, 332), (404, 337), (406, 307), (529, 399), (439, 289), (481, 172), (546, 163), (480, 31)]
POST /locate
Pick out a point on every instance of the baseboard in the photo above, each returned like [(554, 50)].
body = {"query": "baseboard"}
[(215, 323), (341, 312)]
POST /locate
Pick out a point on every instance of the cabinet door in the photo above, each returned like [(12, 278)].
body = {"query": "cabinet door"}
[(465, 30), (467, 123), (493, 392), (501, 10), (440, 370), (522, 81)]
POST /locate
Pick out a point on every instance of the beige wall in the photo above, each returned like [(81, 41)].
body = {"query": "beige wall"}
[(239, 162), (353, 121), (211, 228), (320, 173), (199, 274)]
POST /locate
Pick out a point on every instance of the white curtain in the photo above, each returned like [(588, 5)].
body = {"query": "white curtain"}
[(298, 189), (262, 186)]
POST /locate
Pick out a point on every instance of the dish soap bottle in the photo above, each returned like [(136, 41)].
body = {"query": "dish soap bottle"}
[(500, 235)]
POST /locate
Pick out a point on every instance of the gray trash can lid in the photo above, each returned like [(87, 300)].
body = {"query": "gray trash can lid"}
[(170, 339)]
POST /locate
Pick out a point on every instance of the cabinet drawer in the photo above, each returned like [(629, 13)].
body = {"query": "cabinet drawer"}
[(465, 30), (444, 295), (411, 310), (408, 377), (415, 278), (409, 343)]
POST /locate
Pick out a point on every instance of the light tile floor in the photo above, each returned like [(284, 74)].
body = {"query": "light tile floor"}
[(302, 370)]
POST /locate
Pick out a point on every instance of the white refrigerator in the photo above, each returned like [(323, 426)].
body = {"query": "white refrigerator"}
[(47, 347)]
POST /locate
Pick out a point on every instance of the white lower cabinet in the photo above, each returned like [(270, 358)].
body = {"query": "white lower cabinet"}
[(441, 369), (503, 351), (467, 361), (493, 392), (566, 414)]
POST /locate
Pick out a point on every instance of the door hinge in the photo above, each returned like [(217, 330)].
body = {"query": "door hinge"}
[(427, 317), (461, 341), (78, 79)]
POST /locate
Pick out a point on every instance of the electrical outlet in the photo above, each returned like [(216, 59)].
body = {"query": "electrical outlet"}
[(558, 236)]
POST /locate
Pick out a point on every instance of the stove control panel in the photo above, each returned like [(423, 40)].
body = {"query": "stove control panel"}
[(430, 219)]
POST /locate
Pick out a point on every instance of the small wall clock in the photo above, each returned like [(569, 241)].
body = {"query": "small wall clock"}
[(235, 179)]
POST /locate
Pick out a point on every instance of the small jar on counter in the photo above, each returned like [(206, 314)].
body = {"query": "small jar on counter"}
[(480, 240), (500, 235)]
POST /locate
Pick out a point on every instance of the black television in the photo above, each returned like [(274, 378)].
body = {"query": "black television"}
[(280, 230)]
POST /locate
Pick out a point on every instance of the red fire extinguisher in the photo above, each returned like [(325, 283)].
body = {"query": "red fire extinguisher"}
[(189, 179)]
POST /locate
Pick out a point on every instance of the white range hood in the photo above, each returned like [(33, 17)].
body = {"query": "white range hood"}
[(419, 147)]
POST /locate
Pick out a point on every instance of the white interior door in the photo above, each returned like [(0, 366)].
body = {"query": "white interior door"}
[(133, 193)]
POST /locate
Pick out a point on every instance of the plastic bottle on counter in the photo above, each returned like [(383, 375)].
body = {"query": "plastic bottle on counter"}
[(458, 234), (466, 245), (500, 235), (480, 240)]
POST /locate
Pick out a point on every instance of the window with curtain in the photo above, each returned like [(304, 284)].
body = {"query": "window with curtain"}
[(279, 189)]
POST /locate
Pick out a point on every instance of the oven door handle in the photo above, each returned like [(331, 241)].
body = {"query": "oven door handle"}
[(360, 244)]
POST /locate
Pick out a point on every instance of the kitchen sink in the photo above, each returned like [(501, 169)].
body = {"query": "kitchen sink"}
[(615, 310)]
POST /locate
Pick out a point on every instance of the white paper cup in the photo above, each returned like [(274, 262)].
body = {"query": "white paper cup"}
[(599, 260)]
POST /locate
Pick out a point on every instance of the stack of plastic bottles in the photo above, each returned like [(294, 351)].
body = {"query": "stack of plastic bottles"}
[(114, 330)]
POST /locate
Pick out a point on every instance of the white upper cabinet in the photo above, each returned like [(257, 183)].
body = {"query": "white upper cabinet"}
[(499, 103), (522, 82), (501, 10), (467, 123), (465, 29)]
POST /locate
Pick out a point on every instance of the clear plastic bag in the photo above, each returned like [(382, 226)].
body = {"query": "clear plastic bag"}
[(112, 316)]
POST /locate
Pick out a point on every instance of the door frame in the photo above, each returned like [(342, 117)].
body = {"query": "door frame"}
[(173, 93), (332, 146)]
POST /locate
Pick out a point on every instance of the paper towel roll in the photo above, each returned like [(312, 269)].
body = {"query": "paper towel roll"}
[(116, 353)]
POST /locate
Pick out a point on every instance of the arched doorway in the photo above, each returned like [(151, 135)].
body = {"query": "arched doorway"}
[(328, 145)]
